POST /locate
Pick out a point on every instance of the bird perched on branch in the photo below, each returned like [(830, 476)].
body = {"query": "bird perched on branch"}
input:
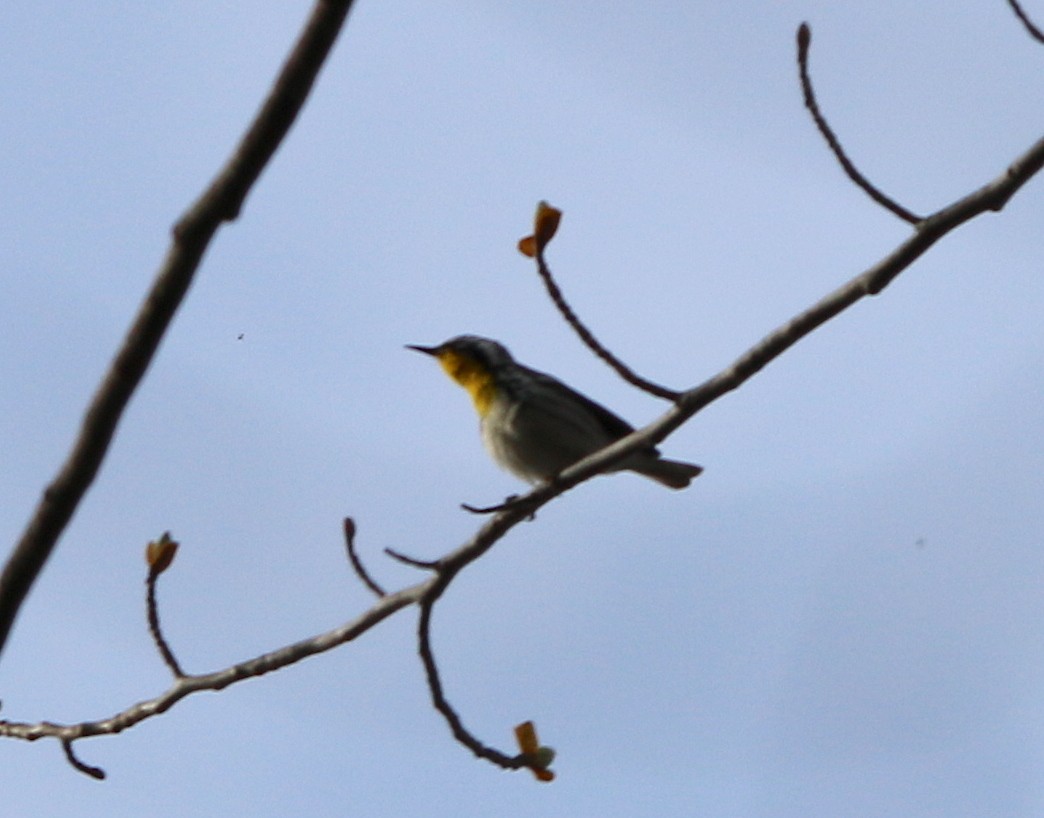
[(533, 425)]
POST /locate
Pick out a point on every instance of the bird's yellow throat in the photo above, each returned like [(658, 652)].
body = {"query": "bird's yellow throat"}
[(474, 377)]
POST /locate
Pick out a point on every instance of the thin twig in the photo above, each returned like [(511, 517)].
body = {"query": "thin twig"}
[(486, 509), (360, 570), (438, 697), (593, 343), (1035, 32), (804, 39), (154, 625), (509, 501), (405, 559), (221, 202), (94, 772)]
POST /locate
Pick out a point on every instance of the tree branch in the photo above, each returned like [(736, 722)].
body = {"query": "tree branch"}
[(187, 685), (1034, 32), (438, 697), (221, 202), (152, 615), (589, 339), (183, 686), (804, 39), (353, 558)]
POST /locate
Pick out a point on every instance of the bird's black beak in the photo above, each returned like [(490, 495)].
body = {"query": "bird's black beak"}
[(425, 350)]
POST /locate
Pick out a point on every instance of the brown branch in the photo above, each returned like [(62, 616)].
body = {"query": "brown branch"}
[(221, 202), (804, 39), (438, 697), (360, 569), (1035, 32), (449, 566), (154, 624), (86, 769), (593, 343), (991, 197), (512, 500), (218, 680)]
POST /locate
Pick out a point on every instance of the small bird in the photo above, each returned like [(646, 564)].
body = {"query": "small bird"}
[(532, 424)]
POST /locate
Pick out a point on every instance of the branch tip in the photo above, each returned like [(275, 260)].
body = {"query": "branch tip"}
[(804, 39), (588, 337), (96, 773), (438, 697), (356, 563)]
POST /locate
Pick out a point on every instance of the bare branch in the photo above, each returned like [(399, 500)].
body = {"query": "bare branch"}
[(593, 343), (990, 197), (804, 40), (448, 567), (413, 562), (86, 769), (510, 501), (219, 680), (221, 202), (438, 698), (360, 570), (1035, 32)]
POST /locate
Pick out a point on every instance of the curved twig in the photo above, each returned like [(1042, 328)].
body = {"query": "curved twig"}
[(86, 769), (413, 562), (152, 611), (1034, 32), (353, 558), (804, 39), (221, 202), (593, 343), (511, 501), (438, 697)]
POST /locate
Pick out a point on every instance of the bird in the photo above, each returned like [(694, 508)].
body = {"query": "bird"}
[(535, 426)]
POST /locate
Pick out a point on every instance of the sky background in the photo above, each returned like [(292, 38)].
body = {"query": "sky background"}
[(843, 616)]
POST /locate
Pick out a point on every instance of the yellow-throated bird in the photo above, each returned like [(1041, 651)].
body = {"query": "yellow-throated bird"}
[(533, 424)]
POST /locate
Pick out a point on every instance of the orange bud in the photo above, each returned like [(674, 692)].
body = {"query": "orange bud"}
[(159, 554), (545, 225), (525, 735), (538, 757), (527, 246)]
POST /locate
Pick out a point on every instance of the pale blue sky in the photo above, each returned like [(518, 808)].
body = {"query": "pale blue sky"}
[(842, 616)]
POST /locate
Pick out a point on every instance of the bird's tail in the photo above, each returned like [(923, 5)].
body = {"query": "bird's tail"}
[(671, 473)]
